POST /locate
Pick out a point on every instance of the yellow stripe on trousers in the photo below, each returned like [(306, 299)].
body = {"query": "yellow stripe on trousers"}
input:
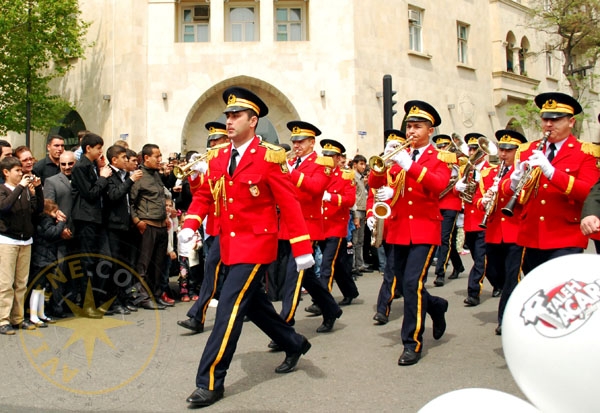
[(214, 290), (230, 324), (337, 251), (420, 299)]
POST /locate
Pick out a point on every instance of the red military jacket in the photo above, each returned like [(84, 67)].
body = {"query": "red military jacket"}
[(451, 200), (551, 215), (500, 228), (473, 216), (246, 204), (212, 221), (336, 212), (311, 179), (416, 217)]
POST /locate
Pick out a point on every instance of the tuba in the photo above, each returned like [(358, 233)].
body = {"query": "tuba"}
[(486, 147), (460, 152)]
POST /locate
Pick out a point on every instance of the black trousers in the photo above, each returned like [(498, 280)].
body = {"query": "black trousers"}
[(307, 279), (153, 252), (390, 284), (336, 266), (475, 241), (503, 269), (242, 295), (447, 250), (535, 257)]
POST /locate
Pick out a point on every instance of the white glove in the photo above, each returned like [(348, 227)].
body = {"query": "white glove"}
[(185, 235), (326, 196), (538, 158), (384, 193), (403, 159), (461, 185), (516, 175), (371, 222), (304, 261), (200, 167), (390, 146)]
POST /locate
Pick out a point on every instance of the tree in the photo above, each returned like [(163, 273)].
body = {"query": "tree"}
[(573, 29), (39, 41)]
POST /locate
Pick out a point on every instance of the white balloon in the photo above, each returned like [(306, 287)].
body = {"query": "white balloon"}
[(551, 334), (465, 399)]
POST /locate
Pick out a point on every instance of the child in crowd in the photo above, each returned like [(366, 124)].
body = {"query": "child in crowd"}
[(45, 253), (172, 227), (187, 257), (18, 206)]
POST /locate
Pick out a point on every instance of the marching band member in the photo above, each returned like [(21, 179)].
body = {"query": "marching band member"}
[(310, 175), (415, 226), (504, 256), (337, 201), (246, 181), (467, 186), (450, 207), (387, 291), (563, 172)]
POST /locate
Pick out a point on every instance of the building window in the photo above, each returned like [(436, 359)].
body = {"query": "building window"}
[(195, 20), (549, 67), (415, 19), (243, 22), (290, 23), (462, 38)]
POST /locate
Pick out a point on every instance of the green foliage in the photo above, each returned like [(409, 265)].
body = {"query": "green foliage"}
[(39, 40), (573, 28), (526, 116)]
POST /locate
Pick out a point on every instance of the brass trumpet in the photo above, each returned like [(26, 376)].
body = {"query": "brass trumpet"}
[(380, 163), (182, 172)]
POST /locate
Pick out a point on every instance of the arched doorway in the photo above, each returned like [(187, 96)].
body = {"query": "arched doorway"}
[(70, 125)]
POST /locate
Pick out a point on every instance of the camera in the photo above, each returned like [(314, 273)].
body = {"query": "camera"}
[(174, 156)]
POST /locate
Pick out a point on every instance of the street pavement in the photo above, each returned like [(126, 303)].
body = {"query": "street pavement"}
[(145, 362)]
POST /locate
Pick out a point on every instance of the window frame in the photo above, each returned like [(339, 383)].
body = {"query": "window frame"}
[(462, 44), (288, 5), (231, 5), (415, 31), (183, 6)]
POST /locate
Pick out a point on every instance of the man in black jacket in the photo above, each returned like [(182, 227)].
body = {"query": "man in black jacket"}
[(118, 223), (89, 184), (49, 166)]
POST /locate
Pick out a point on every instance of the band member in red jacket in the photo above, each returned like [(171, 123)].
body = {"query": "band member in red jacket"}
[(564, 171), (504, 256), (415, 226), (246, 181), (310, 175)]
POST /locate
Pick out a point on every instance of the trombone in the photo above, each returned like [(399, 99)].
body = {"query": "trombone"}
[(182, 172), (380, 163)]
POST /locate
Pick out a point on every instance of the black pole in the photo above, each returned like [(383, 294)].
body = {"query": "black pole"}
[(388, 103)]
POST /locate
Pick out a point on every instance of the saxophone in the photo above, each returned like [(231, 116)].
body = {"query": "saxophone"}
[(486, 147)]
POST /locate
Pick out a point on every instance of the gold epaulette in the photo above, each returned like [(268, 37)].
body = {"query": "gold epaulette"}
[(348, 174), (590, 148), (486, 171), (274, 153), (214, 151), (447, 157), (522, 148), (324, 161)]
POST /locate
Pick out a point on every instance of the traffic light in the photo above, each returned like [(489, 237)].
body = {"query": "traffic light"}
[(388, 103)]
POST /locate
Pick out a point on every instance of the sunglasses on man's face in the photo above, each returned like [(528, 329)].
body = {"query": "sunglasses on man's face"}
[(67, 163)]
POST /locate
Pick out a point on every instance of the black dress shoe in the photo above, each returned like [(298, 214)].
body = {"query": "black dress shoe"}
[(438, 316), (409, 357), (328, 323), (192, 324), (291, 359), (131, 307), (380, 318), (162, 302), (203, 397), (151, 305), (439, 281), (497, 292), (471, 301), (274, 346), (118, 309), (455, 273), (313, 309), (346, 301), (498, 330)]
